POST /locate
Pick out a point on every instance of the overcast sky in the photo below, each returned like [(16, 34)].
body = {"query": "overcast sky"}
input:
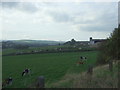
[(59, 21)]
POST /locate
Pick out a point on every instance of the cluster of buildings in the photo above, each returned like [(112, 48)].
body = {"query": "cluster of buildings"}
[(95, 41), (92, 42)]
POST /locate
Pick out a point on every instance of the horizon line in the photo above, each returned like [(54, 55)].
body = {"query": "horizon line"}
[(51, 40)]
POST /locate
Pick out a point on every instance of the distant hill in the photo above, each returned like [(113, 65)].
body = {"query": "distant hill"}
[(31, 43), (40, 42)]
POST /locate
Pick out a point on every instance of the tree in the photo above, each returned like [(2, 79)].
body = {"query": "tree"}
[(73, 41), (110, 50)]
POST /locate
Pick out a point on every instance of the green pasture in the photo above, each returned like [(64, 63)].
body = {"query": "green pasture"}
[(52, 65), (12, 50)]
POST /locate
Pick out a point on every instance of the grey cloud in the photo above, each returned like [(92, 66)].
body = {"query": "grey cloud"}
[(83, 21), (28, 7), (102, 24), (9, 4), (60, 16), (22, 6), (103, 16), (105, 21), (97, 28)]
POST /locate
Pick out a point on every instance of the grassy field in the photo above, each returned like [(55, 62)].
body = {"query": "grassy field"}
[(12, 50), (53, 66), (101, 78), (44, 48)]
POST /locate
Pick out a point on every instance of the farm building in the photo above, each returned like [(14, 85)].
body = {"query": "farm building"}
[(95, 41)]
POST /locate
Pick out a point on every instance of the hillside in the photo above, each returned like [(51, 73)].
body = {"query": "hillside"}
[(101, 78), (35, 42), (40, 42), (29, 43)]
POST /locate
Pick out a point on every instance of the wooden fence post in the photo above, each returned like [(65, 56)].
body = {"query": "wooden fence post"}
[(118, 73), (90, 69), (111, 65), (41, 82), (89, 73)]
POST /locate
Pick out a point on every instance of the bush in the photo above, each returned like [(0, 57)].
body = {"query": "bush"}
[(109, 50)]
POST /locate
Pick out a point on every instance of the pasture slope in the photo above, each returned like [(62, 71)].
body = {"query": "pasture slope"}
[(52, 65), (101, 78)]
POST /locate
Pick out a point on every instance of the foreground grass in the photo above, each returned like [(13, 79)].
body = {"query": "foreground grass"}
[(101, 78), (53, 66)]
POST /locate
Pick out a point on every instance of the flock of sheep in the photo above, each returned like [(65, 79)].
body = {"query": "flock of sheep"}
[(9, 80), (27, 71)]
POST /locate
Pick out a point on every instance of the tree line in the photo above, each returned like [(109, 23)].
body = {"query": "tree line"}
[(110, 49)]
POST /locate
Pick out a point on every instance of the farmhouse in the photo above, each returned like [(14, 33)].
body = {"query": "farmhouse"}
[(73, 42), (95, 41)]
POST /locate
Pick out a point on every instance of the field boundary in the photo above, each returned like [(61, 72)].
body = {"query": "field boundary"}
[(44, 52)]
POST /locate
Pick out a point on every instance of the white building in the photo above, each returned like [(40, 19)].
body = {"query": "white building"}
[(95, 41)]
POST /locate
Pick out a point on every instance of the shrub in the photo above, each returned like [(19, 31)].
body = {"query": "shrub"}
[(109, 50)]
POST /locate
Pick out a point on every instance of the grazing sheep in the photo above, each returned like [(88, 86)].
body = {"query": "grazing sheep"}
[(10, 81), (26, 71), (82, 58), (7, 81)]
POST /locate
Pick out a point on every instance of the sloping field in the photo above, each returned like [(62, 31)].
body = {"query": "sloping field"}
[(101, 78), (53, 66)]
